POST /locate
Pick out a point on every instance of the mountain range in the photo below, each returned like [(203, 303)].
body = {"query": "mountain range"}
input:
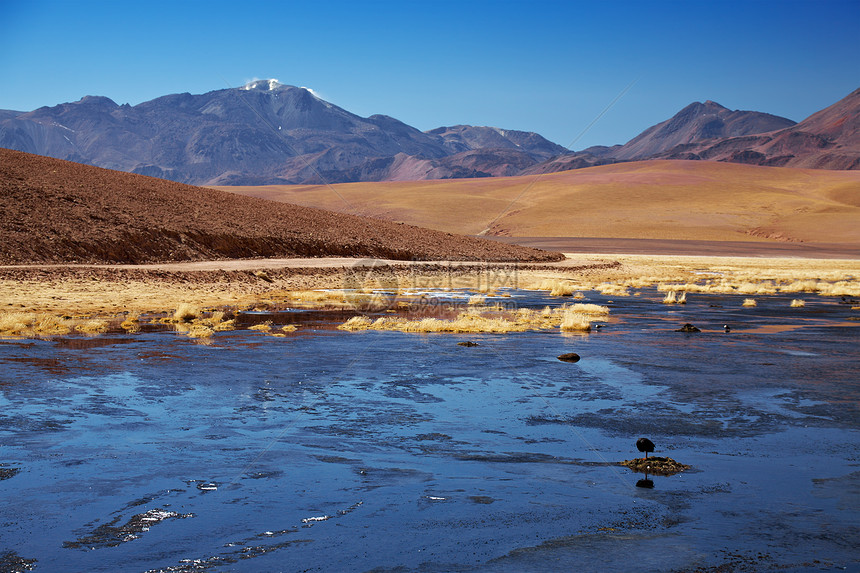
[(269, 133)]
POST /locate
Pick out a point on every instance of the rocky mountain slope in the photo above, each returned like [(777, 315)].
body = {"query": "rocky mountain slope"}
[(54, 211)]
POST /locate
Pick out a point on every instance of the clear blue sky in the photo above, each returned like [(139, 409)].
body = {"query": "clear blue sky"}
[(549, 67)]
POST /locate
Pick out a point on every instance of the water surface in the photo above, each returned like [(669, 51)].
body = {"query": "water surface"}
[(385, 451)]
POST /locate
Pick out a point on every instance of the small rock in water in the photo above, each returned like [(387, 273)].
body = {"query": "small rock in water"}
[(467, 343), (656, 465), (688, 328), (569, 357)]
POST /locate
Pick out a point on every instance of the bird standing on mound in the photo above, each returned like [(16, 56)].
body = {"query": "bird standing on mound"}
[(645, 445)]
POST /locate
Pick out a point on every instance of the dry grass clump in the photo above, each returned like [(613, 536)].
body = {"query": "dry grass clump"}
[(94, 326), (673, 297), (575, 321), (15, 323), (476, 300), (289, 328), (356, 323), (591, 309), (131, 324), (52, 324), (321, 296), (202, 327), (610, 289), (30, 324), (573, 317), (199, 331), (556, 287), (797, 303), (264, 327), (749, 302), (186, 312)]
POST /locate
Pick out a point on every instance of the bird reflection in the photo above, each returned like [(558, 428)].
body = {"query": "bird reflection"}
[(646, 483)]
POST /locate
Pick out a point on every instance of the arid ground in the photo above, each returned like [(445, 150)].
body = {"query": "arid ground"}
[(660, 200)]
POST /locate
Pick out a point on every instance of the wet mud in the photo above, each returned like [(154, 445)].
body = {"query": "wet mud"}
[(392, 451)]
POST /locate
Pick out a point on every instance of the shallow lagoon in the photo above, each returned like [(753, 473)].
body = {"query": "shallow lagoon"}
[(331, 450)]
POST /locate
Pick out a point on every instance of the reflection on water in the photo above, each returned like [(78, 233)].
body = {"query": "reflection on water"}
[(389, 450)]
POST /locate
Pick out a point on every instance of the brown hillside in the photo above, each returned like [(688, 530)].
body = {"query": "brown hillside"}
[(54, 211), (679, 200)]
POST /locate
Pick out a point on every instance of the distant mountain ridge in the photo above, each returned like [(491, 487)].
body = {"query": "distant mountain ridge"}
[(828, 139), (263, 132), (269, 133), (698, 122)]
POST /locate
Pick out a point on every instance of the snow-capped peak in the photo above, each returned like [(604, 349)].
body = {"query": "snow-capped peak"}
[(268, 85)]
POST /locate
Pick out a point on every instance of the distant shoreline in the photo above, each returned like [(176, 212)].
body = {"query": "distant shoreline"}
[(615, 246), (110, 291)]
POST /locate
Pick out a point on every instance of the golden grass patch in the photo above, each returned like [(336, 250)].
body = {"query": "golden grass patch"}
[(749, 302), (797, 303), (15, 323), (575, 321), (186, 312), (576, 317), (94, 326)]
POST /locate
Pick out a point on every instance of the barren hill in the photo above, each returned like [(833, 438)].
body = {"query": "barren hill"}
[(55, 211), (685, 200)]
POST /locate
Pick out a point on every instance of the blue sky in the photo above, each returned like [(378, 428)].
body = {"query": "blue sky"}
[(549, 67)]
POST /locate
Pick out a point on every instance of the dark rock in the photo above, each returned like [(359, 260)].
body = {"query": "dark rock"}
[(688, 328), (467, 343), (569, 357)]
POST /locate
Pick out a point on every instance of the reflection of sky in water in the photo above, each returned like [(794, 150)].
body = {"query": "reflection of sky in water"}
[(383, 449)]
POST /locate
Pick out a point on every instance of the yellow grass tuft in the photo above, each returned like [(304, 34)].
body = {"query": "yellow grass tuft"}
[(573, 320), (264, 327), (199, 331), (289, 328), (214, 319), (749, 302), (476, 300), (186, 312), (320, 296), (356, 323), (556, 287), (94, 326), (131, 324), (224, 326), (670, 298), (576, 317), (15, 323), (612, 289), (797, 303), (51, 324)]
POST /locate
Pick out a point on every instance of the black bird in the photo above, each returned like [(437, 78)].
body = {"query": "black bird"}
[(645, 445)]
